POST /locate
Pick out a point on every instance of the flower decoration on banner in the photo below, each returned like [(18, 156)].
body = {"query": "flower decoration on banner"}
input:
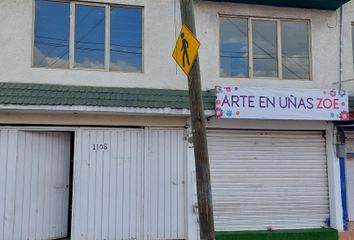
[(228, 89), (333, 93), (342, 93), (236, 88), (238, 113), (344, 116), (219, 112), (332, 115), (343, 104), (229, 113), (217, 101), (324, 92)]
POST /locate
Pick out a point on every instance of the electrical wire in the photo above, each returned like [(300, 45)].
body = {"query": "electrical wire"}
[(265, 51)]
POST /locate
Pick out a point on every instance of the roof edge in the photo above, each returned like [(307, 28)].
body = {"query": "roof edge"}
[(98, 109)]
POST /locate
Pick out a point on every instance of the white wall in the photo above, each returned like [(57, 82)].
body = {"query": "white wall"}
[(16, 24), (348, 71), (161, 26), (324, 38)]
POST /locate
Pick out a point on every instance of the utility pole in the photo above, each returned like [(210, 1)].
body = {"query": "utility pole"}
[(205, 205)]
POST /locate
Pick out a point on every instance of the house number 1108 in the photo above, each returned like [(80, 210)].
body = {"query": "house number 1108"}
[(100, 147)]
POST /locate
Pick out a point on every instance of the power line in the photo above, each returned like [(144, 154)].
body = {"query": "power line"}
[(265, 51), (283, 53), (82, 42), (85, 35), (67, 51), (89, 49)]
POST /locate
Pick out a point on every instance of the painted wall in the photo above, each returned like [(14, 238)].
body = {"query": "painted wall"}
[(348, 70), (161, 27), (324, 39)]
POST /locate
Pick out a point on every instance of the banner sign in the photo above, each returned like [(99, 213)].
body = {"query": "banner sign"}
[(266, 103)]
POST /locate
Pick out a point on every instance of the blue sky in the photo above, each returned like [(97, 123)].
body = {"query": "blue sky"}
[(52, 36)]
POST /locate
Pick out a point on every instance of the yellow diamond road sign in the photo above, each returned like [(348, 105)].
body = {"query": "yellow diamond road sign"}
[(186, 49)]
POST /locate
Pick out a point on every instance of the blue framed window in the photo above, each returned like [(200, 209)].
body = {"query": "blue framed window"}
[(89, 36), (103, 37), (126, 39), (51, 37)]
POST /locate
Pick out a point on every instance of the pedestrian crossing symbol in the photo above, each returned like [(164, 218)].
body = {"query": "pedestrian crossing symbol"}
[(186, 49)]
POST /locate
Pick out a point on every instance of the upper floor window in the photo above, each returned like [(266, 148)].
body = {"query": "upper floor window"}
[(264, 48), (87, 36), (52, 27)]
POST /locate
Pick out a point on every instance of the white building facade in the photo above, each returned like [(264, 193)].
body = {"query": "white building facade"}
[(95, 134)]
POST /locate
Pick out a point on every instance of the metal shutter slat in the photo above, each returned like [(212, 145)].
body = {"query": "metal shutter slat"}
[(264, 179)]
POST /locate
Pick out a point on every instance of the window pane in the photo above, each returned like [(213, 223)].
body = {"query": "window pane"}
[(264, 49), (233, 47), (126, 39), (51, 40), (89, 37), (295, 50)]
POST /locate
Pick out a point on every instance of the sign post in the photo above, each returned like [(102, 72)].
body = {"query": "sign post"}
[(186, 56)]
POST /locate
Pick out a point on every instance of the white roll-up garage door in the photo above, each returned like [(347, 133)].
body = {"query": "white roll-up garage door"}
[(268, 179), (165, 184), (34, 179), (129, 184), (108, 180)]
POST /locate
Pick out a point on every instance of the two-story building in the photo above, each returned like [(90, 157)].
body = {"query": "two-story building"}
[(94, 113)]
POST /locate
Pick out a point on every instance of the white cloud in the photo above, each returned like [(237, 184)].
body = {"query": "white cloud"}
[(122, 66), (226, 73), (234, 31), (54, 62), (295, 66), (87, 63), (265, 67), (223, 72), (41, 60)]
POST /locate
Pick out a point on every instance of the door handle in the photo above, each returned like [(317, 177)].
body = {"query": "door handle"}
[(195, 208)]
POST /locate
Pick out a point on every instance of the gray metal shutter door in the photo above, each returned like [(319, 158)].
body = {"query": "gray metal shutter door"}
[(349, 165), (263, 179)]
